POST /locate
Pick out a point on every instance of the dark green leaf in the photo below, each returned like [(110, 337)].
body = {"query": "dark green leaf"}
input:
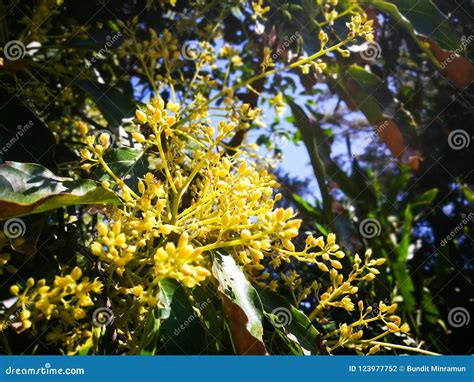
[(297, 325), (180, 322), (127, 163), (113, 103), (421, 18)]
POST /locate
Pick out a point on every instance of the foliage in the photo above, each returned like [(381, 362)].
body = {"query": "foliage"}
[(185, 248)]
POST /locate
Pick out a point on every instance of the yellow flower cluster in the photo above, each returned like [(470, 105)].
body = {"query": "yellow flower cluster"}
[(200, 199), (359, 26), (65, 302), (342, 294), (259, 9), (232, 54)]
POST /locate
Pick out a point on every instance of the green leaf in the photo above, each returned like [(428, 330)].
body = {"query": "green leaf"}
[(206, 299), (149, 340), (406, 234), (126, 163), (151, 336), (430, 309), (422, 18), (243, 308), (378, 103), (296, 324), (180, 322), (27, 188), (426, 198), (86, 350), (305, 206), (113, 103), (405, 284), (170, 326), (404, 281), (392, 122)]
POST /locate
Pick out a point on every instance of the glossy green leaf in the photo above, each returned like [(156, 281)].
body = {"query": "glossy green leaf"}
[(404, 284), (180, 322), (127, 163), (241, 301), (421, 18), (170, 325), (149, 340), (27, 188), (293, 322)]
